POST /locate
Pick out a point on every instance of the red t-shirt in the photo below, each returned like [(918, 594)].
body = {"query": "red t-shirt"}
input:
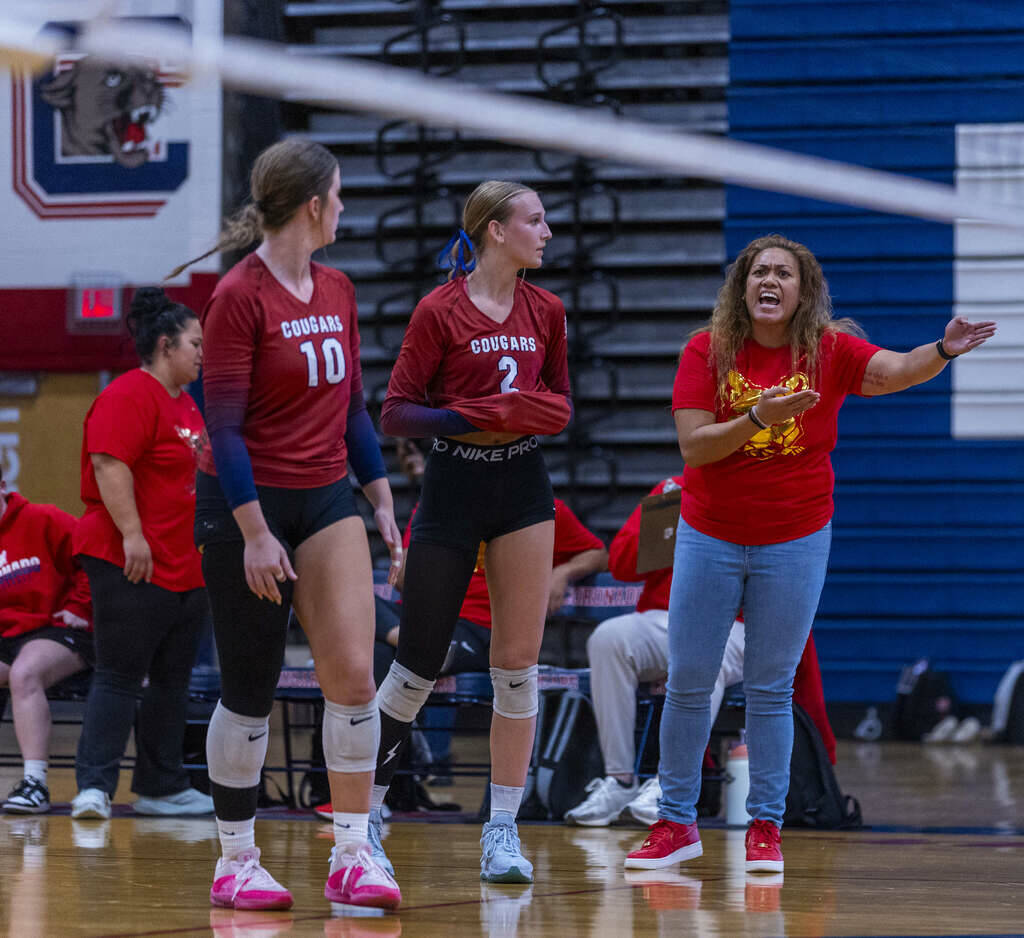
[(157, 436), (284, 369), (777, 486), (454, 352), (571, 538), (38, 575), (622, 554)]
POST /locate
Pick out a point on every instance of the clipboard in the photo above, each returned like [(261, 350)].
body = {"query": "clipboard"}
[(659, 517)]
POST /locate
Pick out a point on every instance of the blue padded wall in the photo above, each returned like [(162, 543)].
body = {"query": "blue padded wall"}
[(927, 556)]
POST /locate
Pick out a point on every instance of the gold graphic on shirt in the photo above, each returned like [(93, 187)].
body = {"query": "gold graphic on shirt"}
[(196, 441), (480, 551), (778, 440)]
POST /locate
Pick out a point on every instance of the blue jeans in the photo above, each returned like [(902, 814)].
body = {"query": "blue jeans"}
[(778, 587)]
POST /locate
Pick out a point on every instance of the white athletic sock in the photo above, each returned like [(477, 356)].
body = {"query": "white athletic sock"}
[(36, 768), (236, 836), (377, 793), (505, 798), (350, 830)]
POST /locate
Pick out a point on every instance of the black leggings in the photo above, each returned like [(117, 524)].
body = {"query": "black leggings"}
[(468, 650), (470, 494), (251, 632)]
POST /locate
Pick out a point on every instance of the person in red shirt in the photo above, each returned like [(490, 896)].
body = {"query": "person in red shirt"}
[(756, 401), (44, 594), (628, 649), (483, 369), (134, 541), (277, 520)]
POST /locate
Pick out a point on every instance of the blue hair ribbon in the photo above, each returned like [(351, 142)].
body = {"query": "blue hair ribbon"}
[(454, 254)]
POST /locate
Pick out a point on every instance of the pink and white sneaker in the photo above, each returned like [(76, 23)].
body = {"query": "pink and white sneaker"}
[(242, 883), (357, 879)]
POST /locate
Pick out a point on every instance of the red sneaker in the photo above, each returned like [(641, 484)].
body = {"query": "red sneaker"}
[(667, 843), (764, 848), (326, 811)]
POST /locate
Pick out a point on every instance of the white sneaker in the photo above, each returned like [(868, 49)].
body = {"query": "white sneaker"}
[(91, 802), (187, 802), (31, 796), (603, 804), (644, 807)]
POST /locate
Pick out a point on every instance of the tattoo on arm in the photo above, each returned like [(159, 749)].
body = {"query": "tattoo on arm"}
[(874, 379)]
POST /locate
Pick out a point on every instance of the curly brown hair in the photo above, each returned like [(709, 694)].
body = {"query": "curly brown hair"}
[(730, 324)]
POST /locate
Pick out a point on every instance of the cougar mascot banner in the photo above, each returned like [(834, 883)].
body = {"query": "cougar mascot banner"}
[(111, 178)]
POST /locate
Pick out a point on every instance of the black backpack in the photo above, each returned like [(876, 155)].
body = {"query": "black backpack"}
[(1008, 706), (567, 755), (923, 699), (814, 798)]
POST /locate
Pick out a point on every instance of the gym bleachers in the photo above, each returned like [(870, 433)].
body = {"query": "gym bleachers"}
[(636, 257)]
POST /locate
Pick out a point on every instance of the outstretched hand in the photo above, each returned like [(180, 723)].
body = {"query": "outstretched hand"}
[(779, 404), (962, 336)]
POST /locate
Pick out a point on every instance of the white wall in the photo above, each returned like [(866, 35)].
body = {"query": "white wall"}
[(46, 252), (988, 384)]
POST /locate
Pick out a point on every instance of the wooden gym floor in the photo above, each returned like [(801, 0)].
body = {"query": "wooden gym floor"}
[(943, 855)]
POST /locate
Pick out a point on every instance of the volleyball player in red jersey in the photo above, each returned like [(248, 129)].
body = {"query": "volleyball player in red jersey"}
[(277, 520), (482, 368)]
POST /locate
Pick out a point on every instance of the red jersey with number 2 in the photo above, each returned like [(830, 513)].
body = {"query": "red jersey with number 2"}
[(286, 367), (453, 351)]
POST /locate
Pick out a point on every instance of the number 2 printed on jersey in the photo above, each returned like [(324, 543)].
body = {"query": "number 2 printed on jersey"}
[(511, 368)]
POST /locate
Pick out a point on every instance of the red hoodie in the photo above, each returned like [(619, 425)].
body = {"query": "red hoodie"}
[(38, 575)]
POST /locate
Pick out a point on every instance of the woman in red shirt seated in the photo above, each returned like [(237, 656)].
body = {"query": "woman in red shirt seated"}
[(44, 594)]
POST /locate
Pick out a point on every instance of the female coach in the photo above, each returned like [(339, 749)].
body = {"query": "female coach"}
[(756, 402)]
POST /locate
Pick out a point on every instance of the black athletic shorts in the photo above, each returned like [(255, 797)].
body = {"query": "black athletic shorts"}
[(78, 640), (293, 515), (477, 493)]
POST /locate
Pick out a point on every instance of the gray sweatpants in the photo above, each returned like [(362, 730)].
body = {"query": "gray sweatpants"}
[(629, 649)]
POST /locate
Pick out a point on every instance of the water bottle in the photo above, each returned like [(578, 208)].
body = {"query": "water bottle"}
[(737, 783), (870, 728)]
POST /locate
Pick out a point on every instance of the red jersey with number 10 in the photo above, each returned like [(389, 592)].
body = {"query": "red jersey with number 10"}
[(285, 369), (453, 351)]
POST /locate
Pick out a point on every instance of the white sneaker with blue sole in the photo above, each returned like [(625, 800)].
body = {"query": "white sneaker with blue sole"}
[(502, 860)]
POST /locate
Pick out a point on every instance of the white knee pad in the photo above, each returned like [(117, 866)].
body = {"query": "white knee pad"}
[(351, 735), (236, 748), (402, 693), (515, 692)]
